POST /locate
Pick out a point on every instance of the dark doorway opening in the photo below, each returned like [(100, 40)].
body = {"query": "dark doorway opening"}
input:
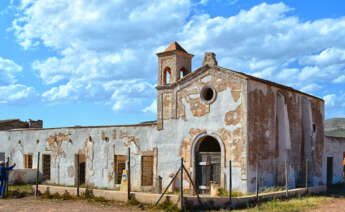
[(82, 169), (119, 166), (207, 163), (329, 170), (344, 166)]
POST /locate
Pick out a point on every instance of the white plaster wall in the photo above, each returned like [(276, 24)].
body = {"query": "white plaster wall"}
[(334, 147)]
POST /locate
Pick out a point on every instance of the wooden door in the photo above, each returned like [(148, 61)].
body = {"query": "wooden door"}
[(46, 167), (147, 170)]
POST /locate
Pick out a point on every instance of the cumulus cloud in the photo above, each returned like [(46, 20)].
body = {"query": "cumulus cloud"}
[(10, 90), (269, 41), (8, 69), (105, 49), (99, 44)]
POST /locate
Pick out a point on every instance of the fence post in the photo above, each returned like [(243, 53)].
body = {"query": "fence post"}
[(257, 181), (7, 165), (78, 175), (129, 174), (306, 175), (230, 183), (181, 186), (37, 173), (286, 179)]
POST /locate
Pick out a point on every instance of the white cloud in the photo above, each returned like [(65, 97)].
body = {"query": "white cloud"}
[(269, 41), (8, 69), (99, 44), (310, 88), (10, 90), (152, 108), (16, 94), (340, 79), (330, 100)]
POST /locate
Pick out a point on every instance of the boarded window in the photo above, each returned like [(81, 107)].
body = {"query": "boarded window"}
[(2, 156), (119, 166), (46, 166), (28, 161), (147, 170)]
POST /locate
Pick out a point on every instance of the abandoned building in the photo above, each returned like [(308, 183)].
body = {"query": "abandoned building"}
[(207, 116)]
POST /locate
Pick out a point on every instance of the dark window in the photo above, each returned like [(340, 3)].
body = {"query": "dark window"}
[(2, 156), (208, 94)]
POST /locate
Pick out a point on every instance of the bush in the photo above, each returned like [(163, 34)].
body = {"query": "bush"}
[(133, 201), (168, 206), (66, 196)]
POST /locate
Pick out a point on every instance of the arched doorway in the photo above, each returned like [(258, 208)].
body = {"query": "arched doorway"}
[(207, 163)]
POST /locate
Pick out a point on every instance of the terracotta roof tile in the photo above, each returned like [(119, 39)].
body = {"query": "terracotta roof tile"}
[(174, 46)]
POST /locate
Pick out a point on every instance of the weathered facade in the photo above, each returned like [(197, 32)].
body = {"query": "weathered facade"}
[(334, 160), (207, 116)]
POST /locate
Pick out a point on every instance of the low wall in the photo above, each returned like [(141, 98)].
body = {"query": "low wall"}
[(148, 198), (239, 202), (23, 176), (192, 201)]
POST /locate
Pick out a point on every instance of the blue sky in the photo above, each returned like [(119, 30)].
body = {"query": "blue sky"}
[(89, 62)]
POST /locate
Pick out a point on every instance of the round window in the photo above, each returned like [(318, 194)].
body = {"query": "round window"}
[(208, 94)]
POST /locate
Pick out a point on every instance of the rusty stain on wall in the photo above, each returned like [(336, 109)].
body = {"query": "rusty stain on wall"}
[(55, 142), (234, 117)]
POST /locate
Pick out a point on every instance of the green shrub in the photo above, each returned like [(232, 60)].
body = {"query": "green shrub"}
[(133, 201), (66, 196), (167, 206)]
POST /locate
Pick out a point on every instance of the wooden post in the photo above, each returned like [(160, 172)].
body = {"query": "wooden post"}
[(181, 186), (7, 165), (37, 173), (306, 175), (129, 174), (78, 175), (230, 183), (257, 181), (286, 179), (194, 186)]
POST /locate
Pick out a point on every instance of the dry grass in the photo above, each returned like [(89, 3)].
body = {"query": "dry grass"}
[(295, 204)]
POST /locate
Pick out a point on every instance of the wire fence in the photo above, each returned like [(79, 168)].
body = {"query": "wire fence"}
[(291, 175)]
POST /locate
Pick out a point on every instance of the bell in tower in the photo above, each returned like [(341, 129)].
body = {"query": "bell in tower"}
[(173, 64)]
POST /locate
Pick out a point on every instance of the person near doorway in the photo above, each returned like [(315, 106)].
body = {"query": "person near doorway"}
[(4, 176)]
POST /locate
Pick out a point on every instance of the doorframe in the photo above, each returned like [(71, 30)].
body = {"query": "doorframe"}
[(195, 145)]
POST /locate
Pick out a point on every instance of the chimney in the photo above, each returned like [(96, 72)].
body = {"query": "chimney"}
[(210, 59)]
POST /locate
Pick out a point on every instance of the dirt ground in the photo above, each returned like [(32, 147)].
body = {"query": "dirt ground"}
[(333, 205), (30, 204)]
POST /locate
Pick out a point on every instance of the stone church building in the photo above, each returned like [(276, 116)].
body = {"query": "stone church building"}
[(208, 116)]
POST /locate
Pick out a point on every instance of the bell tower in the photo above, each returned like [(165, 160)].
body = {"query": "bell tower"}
[(173, 64)]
